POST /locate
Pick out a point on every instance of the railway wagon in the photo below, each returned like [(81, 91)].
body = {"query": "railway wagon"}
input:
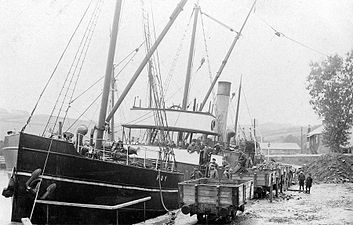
[(264, 180), (213, 199)]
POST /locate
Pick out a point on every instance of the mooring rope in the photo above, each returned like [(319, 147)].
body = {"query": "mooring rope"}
[(40, 182), (160, 191)]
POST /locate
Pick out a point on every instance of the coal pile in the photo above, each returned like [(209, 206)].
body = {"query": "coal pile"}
[(268, 165), (331, 168)]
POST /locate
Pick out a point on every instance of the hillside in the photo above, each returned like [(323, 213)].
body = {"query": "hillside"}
[(16, 119), (274, 132)]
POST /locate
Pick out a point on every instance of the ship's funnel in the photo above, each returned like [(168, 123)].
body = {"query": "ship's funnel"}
[(222, 104)]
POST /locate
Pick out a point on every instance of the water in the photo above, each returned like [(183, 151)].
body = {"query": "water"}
[(5, 203)]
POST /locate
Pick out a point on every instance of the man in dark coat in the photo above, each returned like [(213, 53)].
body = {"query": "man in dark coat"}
[(308, 183), (196, 174), (301, 179), (213, 169)]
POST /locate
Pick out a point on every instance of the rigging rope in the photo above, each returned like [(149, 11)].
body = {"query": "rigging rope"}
[(84, 111), (115, 66), (219, 22), (177, 54), (160, 116), (115, 77), (279, 34), (136, 50), (207, 57), (40, 182), (157, 57), (247, 106), (88, 41), (55, 68), (61, 99)]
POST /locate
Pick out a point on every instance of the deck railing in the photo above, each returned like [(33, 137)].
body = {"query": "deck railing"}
[(95, 206)]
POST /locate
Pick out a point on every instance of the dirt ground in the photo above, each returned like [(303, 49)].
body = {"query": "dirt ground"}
[(327, 204)]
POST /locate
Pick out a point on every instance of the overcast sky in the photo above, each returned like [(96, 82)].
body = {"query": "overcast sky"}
[(34, 33)]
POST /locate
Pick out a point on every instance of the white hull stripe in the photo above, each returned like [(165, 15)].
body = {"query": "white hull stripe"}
[(98, 184), (10, 148)]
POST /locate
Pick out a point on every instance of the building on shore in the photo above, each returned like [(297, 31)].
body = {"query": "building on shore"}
[(315, 141), (280, 148)]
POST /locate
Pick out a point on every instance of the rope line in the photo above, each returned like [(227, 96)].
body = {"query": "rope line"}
[(55, 68), (177, 54), (219, 22), (247, 106), (84, 52), (65, 85), (40, 182), (85, 111), (279, 34), (207, 57), (115, 66)]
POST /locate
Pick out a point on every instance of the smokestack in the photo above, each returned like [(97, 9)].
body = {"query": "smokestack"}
[(222, 103)]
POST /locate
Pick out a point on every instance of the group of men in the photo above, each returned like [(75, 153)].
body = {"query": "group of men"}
[(212, 170), (308, 182)]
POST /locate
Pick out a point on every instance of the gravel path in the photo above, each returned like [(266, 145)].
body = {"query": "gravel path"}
[(327, 204)]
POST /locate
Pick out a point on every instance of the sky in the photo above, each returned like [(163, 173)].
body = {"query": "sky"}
[(34, 33)]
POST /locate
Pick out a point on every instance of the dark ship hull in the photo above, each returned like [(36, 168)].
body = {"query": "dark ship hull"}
[(84, 180)]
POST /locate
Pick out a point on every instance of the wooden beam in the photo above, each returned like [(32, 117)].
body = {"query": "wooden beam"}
[(94, 206)]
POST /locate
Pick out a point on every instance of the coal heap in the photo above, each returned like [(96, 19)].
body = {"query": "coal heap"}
[(331, 168)]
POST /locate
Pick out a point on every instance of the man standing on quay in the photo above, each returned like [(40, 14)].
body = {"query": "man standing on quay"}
[(301, 179)]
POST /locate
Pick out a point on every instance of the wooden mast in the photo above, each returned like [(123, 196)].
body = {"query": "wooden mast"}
[(173, 16), (237, 114), (108, 75), (190, 63), (112, 130), (191, 59), (224, 62)]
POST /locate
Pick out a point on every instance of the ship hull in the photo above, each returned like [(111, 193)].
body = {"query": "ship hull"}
[(83, 180)]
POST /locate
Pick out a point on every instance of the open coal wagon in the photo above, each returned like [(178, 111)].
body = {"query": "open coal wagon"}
[(213, 199), (264, 181)]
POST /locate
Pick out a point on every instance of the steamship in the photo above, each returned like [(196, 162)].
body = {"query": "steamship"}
[(55, 180), (87, 180)]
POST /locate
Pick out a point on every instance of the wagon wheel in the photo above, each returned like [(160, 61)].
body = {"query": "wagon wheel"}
[(234, 214), (200, 217), (228, 219)]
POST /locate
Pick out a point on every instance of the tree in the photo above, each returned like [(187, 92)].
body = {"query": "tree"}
[(330, 85)]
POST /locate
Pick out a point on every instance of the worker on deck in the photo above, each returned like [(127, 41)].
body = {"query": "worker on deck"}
[(196, 174), (227, 172), (301, 179), (213, 168), (224, 162), (217, 149), (308, 183)]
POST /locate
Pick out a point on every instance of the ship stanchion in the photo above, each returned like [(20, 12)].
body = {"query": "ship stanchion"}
[(271, 188)]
